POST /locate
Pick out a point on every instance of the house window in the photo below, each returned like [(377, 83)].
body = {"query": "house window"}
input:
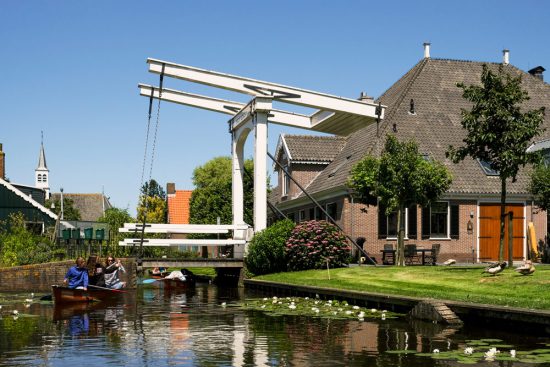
[(292, 217), (286, 181), (439, 220), (39, 177), (387, 224), (331, 210), (486, 167), (318, 214), (311, 213), (44, 178), (302, 215)]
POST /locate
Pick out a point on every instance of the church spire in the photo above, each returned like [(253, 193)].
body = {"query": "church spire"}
[(41, 173), (42, 156)]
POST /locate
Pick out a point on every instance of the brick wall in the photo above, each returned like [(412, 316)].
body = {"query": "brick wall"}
[(40, 277)]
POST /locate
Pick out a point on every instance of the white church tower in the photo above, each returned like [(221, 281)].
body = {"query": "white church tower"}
[(41, 173)]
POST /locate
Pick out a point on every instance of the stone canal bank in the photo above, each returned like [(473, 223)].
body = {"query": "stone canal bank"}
[(40, 277), (494, 316)]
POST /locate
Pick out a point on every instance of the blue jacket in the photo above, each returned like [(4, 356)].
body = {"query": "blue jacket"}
[(78, 277)]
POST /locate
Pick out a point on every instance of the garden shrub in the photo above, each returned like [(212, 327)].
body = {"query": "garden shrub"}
[(266, 252), (311, 243)]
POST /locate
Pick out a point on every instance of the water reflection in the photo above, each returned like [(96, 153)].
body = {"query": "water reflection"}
[(155, 326)]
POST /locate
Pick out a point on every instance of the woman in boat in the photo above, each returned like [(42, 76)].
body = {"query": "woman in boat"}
[(112, 269), (77, 276)]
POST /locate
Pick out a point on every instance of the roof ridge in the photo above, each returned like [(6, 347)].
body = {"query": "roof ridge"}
[(420, 67)]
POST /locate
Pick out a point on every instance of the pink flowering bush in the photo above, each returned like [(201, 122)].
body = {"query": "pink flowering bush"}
[(311, 243)]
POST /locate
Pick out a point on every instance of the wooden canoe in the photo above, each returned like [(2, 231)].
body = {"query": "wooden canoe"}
[(67, 295)]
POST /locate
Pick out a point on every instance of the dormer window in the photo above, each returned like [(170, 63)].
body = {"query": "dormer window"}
[(286, 181), (486, 167)]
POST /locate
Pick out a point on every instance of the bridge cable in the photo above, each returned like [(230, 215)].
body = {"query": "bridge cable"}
[(147, 187)]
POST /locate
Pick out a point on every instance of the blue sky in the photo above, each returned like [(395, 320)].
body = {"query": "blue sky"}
[(71, 69)]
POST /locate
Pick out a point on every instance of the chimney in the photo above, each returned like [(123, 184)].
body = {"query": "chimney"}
[(505, 57), (536, 72), (171, 188), (365, 98), (427, 50), (2, 163)]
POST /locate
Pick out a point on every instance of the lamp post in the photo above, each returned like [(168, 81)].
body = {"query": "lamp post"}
[(61, 189)]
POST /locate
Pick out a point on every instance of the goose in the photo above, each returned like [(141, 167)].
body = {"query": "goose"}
[(527, 268), (496, 268), (449, 262)]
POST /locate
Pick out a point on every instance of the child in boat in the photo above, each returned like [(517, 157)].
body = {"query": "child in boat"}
[(77, 276), (112, 269), (98, 278)]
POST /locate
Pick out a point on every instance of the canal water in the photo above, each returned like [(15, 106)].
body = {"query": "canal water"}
[(154, 327)]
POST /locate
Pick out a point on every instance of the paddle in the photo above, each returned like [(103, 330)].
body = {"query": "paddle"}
[(107, 289), (151, 280)]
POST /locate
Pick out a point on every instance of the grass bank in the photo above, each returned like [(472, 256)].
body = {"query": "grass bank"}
[(465, 284)]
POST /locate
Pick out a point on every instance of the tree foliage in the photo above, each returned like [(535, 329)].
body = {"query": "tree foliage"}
[(115, 218), (540, 186), (19, 246), (266, 252), (212, 195), (69, 211), (401, 177), (152, 203), (499, 133)]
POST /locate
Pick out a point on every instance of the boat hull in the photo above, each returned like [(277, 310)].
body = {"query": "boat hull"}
[(63, 295)]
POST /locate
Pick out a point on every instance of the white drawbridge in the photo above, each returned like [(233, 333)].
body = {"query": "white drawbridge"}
[(334, 115)]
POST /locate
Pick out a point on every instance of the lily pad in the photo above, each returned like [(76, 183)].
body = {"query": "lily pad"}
[(491, 340)]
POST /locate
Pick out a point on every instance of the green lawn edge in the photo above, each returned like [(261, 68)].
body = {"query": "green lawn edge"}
[(462, 284)]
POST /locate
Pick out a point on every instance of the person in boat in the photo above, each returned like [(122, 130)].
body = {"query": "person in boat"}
[(98, 277), (111, 276), (77, 276)]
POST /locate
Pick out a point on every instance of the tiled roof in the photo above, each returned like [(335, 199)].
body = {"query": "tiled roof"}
[(90, 206), (178, 207), (435, 125), (313, 148)]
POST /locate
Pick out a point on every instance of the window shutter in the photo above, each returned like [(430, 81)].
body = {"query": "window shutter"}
[(382, 223), (412, 223), (425, 223), (454, 221)]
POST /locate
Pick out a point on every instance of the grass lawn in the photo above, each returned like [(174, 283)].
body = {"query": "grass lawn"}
[(460, 283)]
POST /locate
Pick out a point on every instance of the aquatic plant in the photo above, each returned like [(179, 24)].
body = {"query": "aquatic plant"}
[(315, 307), (485, 350)]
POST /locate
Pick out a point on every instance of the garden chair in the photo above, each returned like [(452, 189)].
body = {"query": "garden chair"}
[(411, 256), (389, 257), (431, 258)]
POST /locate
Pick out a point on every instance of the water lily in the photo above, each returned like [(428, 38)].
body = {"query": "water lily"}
[(348, 312), (224, 304), (373, 310), (265, 299), (513, 353), (355, 307), (491, 353), (436, 350), (263, 306), (15, 312), (468, 350), (275, 297), (292, 306), (361, 314)]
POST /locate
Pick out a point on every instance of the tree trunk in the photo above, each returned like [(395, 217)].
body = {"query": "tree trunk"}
[(502, 219), (510, 239), (401, 236)]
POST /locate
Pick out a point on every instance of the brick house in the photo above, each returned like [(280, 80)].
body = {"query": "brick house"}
[(424, 105)]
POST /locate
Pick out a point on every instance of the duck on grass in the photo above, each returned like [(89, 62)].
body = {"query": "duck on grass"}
[(315, 307)]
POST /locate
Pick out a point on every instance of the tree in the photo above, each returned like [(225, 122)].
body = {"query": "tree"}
[(499, 133), (540, 186), (69, 211), (152, 203), (211, 197), (401, 177), (116, 218)]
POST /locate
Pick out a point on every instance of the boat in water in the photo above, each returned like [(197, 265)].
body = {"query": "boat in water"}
[(63, 295)]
